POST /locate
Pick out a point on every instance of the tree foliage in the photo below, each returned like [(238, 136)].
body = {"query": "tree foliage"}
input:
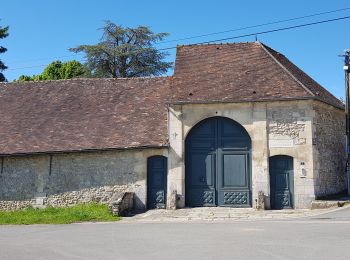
[(58, 70), (125, 52), (3, 34)]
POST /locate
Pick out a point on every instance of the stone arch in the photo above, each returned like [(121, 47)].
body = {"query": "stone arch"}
[(218, 164)]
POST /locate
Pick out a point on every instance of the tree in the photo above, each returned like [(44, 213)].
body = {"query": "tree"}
[(73, 69), (3, 34), (125, 52), (52, 71), (59, 70), (24, 78)]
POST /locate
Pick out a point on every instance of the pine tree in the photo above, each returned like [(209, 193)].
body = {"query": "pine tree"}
[(3, 34), (125, 52)]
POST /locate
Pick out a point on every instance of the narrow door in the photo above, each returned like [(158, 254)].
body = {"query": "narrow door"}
[(281, 182), (156, 182)]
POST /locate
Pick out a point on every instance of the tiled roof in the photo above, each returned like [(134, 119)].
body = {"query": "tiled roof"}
[(240, 72), (82, 114), (94, 114), (316, 89)]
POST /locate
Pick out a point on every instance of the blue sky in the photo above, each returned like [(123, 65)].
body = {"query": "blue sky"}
[(42, 31)]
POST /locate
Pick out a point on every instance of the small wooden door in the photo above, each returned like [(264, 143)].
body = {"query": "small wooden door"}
[(156, 182), (281, 182)]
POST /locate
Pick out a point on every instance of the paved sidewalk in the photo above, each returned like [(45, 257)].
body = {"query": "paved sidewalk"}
[(204, 214)]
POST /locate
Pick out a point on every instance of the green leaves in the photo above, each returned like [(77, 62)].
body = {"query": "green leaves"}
[(125, 52), (52, 71), (59, 70), (3, 34)]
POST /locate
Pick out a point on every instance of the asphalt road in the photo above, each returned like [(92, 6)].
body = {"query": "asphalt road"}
[(321, 237)]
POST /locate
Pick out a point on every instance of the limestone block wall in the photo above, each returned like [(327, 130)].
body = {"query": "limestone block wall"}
[(70, 178), (290, 133), (275, 128), (252, 116), (329, 135)]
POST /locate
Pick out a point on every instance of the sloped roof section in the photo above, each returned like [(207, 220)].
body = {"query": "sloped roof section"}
[(82, 114), (240, 72), (316, 89), (95, 114), (232, 73)]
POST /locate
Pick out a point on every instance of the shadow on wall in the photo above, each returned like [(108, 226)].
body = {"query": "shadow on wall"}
[(330, 144)]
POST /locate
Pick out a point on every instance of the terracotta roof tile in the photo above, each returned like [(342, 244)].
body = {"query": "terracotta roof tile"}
[(240, 72), (93, 114), (317, 90), (81, 114)]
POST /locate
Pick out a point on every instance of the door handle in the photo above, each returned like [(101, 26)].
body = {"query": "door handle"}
[(202, 179)]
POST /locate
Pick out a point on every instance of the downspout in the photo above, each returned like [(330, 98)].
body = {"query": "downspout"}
[(347, 113), (2, 167)]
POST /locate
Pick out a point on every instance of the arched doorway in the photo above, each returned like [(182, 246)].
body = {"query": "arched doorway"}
[(156, 182), (217, 165), (281, 182)]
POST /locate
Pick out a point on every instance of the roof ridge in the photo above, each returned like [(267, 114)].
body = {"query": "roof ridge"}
[(80, 79), (213, 44), (286, 70)]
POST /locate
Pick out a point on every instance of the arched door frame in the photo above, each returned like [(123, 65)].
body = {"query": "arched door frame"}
[(233, 193)]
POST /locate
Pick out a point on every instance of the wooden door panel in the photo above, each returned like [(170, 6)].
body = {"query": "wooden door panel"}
[(281, 182), (202, 169), (156, 182), (234, 170), (217, 166)]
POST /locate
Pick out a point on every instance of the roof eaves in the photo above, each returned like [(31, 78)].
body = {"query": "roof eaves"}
[(87, 150), (86, 79), (253, 100), (238, 101)]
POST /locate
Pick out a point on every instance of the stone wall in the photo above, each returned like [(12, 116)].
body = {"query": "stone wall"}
[(69, 178), (290, 133), (275, 128), (10, 205), (21, 177), (182, 118), (101, 195), (330, 149), (287, 123), (121, 203)]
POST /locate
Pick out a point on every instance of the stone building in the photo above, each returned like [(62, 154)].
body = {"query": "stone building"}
[(234, 121)]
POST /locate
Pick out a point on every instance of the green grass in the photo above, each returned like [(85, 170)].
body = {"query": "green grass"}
[(63, 215)]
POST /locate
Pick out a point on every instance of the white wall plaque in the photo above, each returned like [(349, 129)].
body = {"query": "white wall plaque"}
[(281, 143)]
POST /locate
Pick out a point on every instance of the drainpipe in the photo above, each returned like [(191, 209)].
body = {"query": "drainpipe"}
[(347, 112)]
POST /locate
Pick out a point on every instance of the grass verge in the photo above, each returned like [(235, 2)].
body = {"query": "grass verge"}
[(63, 215)]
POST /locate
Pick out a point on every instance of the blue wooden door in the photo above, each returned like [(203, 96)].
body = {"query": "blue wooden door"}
[(218, 164), (156, 182), (281, 182)]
